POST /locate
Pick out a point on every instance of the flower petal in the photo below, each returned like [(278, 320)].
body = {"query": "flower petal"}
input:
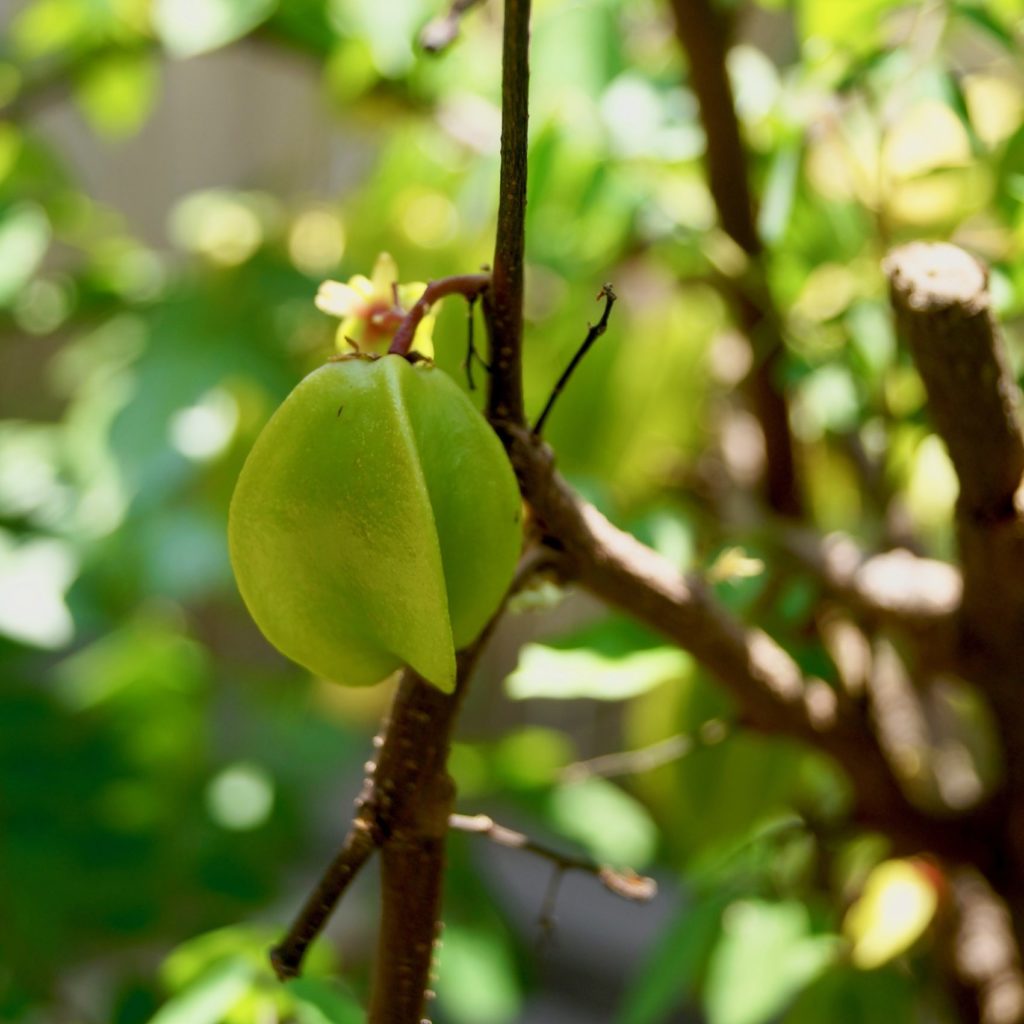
[(385, 275), (337, 299)]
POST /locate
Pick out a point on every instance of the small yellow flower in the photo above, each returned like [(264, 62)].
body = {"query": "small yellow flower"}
[(371, 308)]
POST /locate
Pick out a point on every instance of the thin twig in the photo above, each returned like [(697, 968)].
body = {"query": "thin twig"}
[(646, 759), (440, 32), (469, 286), (472, 355), (595, 332), (627, 884), (363, 838)]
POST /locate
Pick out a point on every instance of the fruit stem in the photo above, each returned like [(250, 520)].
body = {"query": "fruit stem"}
[(471, 286)]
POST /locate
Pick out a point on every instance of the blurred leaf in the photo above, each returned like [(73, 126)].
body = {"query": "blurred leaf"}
[(24, 238), (322, 1002), (779, 192), (47, 26), (764, 956), (896, 907), (34, 579), (117, 92), (476, 977), (842, 995), (612, 825), (621, 664), (670, 973), (191, 27), (210, 996)]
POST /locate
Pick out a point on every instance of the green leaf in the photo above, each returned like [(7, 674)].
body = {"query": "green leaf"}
[(611, 824), (191, 27), (671, 972), (477, 977), (24, 238), (210, 996), (117, 93), (320, 1002), (766, 954), (843, 995), (780, 191), (614, 661)]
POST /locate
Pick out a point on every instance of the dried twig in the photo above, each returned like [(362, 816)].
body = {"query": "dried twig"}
[(626, 884), (594, 332)]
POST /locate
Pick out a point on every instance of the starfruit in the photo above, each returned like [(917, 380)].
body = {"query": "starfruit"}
[(376, 522)]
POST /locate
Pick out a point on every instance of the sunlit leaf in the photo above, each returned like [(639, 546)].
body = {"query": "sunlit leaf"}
[(210, 996), (191, 27), (894, 910), (321, 1002), (668, 977), (117, 92), (765, 955), (24, 237), (476, 979), (621, 663), (611, 824)]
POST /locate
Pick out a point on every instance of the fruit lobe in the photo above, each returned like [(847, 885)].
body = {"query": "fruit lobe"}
[(376, 522)]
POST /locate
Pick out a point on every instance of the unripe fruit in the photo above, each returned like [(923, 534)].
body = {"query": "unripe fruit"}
[(376, 522)]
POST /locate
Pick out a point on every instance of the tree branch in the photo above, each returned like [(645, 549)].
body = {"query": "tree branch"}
[(503, 302), (702, 33), (940, 295), (920, 596), (771, 693), (469, 286), (627, 884)]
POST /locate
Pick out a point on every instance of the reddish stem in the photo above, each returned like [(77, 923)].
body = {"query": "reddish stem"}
[(471, 286)]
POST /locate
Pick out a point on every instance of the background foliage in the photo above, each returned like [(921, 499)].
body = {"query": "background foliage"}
[(170, 785)]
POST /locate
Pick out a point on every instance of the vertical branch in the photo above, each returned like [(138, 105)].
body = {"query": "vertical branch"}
[(702, 33), (503, 302), (414, 817)]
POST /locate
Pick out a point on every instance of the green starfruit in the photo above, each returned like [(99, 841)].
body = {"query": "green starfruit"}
[(376, 522)]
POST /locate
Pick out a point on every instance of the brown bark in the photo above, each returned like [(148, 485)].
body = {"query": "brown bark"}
[(503, 302), (940, 297), (702, 32)]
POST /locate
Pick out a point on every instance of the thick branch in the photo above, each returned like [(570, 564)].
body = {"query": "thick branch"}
[(503, 302), (702, 33), (399, 803), (940, 296)]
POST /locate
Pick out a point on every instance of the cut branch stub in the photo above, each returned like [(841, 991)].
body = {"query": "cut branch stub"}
[(940, 297)]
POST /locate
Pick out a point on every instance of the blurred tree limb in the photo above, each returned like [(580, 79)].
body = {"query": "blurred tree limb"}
[(702, 31)]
